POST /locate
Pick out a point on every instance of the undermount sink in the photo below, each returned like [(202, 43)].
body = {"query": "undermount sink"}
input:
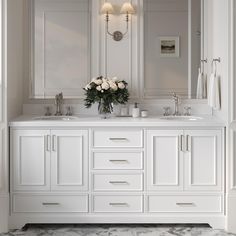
[(181, 118), (56, 118)]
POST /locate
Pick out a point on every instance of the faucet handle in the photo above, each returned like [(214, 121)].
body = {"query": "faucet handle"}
[(48, 111), (187, 111), (166, 111)]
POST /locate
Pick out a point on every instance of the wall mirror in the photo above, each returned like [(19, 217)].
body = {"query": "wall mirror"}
[(173, 47), (60, 49)]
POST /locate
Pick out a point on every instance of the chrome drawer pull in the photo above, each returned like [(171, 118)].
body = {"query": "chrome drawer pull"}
[(187, 143), (54, 143), (185, 204), (118, 139), (48, 143), (118, 161), (181, 143), (50, 204), (119, 204), (118, 182)]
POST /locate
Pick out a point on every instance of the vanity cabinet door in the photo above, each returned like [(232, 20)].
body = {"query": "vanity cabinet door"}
[(69, 160), (165, 160), (203, 160), (30, 157)]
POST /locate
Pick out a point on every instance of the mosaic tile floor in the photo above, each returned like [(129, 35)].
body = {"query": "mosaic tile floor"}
[(117, 230)]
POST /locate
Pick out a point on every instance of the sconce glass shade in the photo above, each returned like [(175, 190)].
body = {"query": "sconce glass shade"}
[(107, 8), (127, 8)]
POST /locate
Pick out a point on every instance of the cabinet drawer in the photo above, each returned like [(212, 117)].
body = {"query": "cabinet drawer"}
[(118, 138), (121, 182), (192, 204), (26, 203), (118, 160), (118, 203)]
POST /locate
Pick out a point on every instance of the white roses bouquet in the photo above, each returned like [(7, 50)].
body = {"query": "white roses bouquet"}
[(106, 92)]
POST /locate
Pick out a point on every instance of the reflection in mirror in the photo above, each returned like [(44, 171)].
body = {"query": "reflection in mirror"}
[(60, 47), (173, 48)]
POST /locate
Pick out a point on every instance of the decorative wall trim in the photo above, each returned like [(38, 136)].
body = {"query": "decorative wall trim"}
[(232, 89), (3, 101)]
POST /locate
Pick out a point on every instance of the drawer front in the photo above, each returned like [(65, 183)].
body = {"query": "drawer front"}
[(26, 203), (118, 160), (192, 204), (118, 138), (118, 203), (118, 182)]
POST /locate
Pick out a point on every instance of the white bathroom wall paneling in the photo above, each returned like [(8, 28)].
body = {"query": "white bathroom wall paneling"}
[(219, 46), (231, 136), (61, 44), (232, 88), (4, 191), (120, 58), (15, 57)]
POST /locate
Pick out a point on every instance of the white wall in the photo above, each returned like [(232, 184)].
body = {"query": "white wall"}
[(15, 57), (218, 46), (4, 193), (231, 141), (14, 87)]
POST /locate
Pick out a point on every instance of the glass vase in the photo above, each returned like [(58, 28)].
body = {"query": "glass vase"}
[(105, 109)]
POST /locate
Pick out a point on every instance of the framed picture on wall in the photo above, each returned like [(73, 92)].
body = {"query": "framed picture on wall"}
[(169, 46)]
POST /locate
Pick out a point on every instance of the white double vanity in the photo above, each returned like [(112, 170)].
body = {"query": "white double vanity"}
[(174, 166), (118, 170)]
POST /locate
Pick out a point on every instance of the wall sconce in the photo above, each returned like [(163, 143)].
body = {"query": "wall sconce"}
[(127, 9)]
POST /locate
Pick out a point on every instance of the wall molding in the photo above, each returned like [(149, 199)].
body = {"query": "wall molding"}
[(232, 97)]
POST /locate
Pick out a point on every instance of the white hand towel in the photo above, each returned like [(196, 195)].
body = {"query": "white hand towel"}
[(214, 92), (200, 85)]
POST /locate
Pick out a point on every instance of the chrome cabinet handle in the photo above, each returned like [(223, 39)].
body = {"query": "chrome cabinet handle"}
[(118, 139), (185, 204), (48, 143), (54, 143), (122, 204), (118, 161), (187, 143), (181, 143), (50, 204), (118, 182)]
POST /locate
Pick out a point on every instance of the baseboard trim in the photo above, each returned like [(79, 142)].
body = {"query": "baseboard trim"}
[(4, 213), (231, 212), (18, 220)]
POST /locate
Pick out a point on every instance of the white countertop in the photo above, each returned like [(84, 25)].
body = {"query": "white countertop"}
[(90, 121)]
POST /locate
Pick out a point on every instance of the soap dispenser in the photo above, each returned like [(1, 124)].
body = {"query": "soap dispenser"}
[(136, 110)]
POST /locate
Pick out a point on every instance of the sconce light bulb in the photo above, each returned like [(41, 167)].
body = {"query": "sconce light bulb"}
[(107, 8), (127, 8)]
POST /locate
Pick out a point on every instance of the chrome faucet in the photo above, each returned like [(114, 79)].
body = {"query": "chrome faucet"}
[(58, 103), (177, 102)]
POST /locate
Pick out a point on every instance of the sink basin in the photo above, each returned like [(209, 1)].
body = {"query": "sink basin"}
[(181, 118), (56, 118)]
